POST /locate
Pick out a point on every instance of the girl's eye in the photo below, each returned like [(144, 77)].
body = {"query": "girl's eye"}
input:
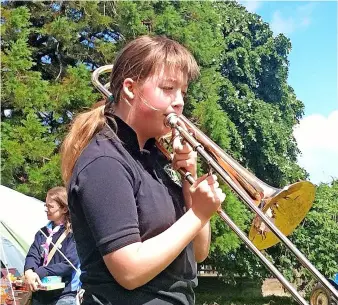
[(167, 88)]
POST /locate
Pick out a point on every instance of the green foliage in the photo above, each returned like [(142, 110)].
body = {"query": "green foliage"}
[(256, 97), (27, 149), (38, 107), (242, 99)]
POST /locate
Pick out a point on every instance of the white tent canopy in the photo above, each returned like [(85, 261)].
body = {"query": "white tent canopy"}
[(12, 254), (22, 215)]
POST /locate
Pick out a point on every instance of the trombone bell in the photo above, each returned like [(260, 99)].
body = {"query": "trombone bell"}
[(286, 209)]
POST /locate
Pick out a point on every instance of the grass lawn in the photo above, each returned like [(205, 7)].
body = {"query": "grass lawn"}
[(211, 291)]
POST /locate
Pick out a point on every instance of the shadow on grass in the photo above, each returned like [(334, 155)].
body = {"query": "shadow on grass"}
[(211, 291)]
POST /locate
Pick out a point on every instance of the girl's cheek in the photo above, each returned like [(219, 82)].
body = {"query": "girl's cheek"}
[(159, 101), (160, 104)]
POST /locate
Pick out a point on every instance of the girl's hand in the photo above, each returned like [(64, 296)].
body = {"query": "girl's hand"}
[(206, 196), (33, 280), (183, 157)]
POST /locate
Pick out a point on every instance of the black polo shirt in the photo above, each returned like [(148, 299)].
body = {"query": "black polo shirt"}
[(118, 195)]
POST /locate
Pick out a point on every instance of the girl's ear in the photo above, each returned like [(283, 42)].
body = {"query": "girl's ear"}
[(64, 210), (128, 88)]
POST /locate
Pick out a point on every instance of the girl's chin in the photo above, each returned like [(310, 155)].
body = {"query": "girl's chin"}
[(158, 130), (165, 131)]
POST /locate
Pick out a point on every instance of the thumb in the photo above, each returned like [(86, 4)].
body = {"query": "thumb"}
[(198, 181), (177, 143), (38, 279)]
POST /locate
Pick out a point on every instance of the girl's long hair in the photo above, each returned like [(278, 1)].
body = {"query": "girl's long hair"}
[(138, 60)]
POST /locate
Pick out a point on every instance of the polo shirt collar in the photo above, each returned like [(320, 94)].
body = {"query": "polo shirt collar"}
[(129, 138)]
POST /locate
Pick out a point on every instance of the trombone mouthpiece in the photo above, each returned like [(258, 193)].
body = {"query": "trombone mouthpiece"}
[(171, 120)]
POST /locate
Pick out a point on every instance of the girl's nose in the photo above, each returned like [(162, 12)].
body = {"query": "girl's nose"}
[(179, 98), (179, 101)]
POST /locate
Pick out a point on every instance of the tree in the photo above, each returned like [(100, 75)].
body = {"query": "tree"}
[(38, 97), (257, 98), (27, 145)]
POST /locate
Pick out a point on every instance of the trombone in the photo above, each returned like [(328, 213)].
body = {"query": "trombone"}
[(278, 211)]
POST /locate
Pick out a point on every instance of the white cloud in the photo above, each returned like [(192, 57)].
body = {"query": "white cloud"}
[(317, 138), (306, 9), (300, 19), (282, 25), (251, 5)]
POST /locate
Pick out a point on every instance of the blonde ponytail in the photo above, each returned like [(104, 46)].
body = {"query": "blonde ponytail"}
[(84, 127)]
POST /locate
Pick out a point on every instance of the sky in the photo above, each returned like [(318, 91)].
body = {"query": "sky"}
[(312, 28)]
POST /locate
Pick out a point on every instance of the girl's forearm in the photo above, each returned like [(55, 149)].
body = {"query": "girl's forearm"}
[(203, 238)]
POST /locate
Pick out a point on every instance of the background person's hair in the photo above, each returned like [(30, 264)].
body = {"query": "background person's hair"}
[(138, 60), (59, 195)]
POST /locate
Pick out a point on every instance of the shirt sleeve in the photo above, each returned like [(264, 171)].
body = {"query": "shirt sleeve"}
[(33, 258), (106, 194)]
